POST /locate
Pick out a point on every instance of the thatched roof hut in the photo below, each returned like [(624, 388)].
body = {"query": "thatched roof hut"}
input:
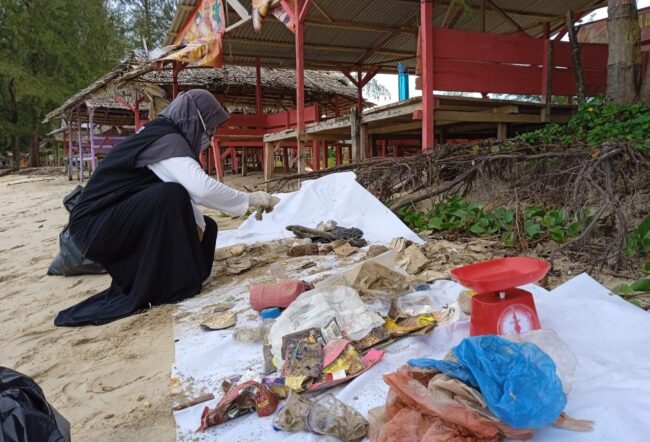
[(233, 85)]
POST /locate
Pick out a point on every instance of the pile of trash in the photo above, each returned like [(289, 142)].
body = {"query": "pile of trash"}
[(315, 337), (487, 388)]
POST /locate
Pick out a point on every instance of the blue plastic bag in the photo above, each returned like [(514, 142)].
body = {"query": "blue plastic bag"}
[(518, 380)]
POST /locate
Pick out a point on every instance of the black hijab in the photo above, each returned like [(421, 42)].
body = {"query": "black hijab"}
[(189, 111)]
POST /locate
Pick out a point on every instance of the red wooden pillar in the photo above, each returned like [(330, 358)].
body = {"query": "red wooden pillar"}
[(216, 155), (300, 12), (426, 34), (359, 92), (547, 69), (258, 86), (338, 155)]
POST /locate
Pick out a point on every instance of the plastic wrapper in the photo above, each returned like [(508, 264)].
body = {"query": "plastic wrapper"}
[(329, 416), (443, 308), (375, 278), (303, 355), (292, 416), (25, 414), (239, 400)]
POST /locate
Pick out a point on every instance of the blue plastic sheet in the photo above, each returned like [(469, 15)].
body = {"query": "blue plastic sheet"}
[(518, 380)]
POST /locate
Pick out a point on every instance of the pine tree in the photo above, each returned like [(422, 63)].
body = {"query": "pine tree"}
[(147, 20), (49, 49)]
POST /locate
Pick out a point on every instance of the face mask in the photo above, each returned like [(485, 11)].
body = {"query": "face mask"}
[(205, 141)]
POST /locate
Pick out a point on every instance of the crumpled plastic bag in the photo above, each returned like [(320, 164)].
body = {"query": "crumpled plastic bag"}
[(550, 343), (316, 308), (25, 414), (70, 261), (518, 381)]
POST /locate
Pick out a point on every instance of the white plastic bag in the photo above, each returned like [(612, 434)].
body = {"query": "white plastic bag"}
[(316, 308)]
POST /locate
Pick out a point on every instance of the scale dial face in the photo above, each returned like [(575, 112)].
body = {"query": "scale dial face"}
[(517, 318)]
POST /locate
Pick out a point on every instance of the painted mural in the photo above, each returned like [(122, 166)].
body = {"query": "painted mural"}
[(203, 35)]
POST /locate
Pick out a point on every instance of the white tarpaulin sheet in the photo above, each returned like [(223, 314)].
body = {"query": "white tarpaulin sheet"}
[(609, 337), (335, 197)]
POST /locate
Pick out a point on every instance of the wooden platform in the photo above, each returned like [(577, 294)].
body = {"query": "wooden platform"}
[(457, 119)]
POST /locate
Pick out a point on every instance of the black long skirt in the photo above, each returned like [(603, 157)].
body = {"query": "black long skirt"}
[(149, 245)]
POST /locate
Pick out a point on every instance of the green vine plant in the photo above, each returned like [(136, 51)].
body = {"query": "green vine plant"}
[(596, 122), (638, 244), (538, 224)]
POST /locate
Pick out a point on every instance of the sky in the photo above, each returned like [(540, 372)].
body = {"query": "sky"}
[(390, 81)]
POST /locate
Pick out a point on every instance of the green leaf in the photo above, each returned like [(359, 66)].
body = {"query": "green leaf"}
[(532, 229), (623, 289), (557, 235), (646, 268), (435, 223), (461, 213), (477, 229), (641, 285)]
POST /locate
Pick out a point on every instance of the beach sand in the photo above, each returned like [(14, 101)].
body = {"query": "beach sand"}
[(111, 382)]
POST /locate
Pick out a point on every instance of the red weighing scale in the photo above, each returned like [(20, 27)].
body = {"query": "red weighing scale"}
[(499, 307)]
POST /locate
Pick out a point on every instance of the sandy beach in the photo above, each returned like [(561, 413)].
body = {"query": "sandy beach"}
[(111, 382)]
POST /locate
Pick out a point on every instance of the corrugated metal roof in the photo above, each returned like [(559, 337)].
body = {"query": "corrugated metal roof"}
[(352, 32)]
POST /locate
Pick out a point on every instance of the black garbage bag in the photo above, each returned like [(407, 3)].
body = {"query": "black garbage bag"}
[(70, 261), (25, 415), (71, 199)]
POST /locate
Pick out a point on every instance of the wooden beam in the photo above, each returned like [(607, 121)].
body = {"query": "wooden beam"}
[(482, 15), (391, 112), (505, 15), (238, 24), (427, 56), (450, 7), (314, 47), (322, 11), (401, 127), (486, 117), (502, 131), (238, 8), (510, 11), (355, 132), (361, 27), (304, 10), (547, 74), (364, 141)]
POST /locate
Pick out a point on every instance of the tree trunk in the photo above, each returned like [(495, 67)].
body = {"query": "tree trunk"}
[(34, 157), (577, 62), (13, 119), (645, 88), (624, 61)]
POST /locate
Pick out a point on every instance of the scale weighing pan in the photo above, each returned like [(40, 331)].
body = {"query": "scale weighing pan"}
[(501, 274)]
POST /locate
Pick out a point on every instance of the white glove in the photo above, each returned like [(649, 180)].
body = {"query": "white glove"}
[(260, 199), (262, 202)]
